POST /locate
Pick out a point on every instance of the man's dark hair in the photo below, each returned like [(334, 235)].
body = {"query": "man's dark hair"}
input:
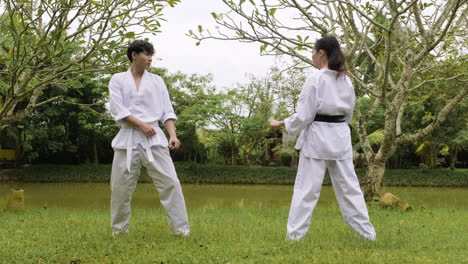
[(336, 59), (139, 46)]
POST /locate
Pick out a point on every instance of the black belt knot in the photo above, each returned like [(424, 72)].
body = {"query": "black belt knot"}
[(330, 118)]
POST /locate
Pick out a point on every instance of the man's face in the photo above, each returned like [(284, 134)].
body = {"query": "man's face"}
[(142, 59)]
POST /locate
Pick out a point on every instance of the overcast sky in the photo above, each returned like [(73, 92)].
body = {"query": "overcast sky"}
[(228, 61)]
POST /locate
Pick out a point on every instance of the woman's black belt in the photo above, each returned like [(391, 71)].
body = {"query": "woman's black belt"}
[(330, 118)]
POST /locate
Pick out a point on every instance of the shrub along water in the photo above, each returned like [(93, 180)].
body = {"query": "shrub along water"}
[(226, 174)]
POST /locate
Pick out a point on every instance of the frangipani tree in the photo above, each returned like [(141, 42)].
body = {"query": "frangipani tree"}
[(47, 43), (389, 45)]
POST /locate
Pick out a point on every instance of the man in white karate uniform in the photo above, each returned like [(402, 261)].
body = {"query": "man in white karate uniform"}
[(325, 107), (139, 100)]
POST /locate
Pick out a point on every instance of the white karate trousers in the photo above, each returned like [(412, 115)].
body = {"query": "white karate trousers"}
[(307, 187), (164, 177)]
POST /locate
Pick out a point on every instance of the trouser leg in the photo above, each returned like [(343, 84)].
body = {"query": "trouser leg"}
[(123, 184), (307, 187), (164, 177), (350, 198)]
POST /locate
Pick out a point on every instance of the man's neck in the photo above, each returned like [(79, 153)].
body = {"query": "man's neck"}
[(136, 71)]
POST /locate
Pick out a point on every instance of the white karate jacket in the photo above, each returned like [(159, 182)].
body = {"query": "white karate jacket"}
[(324, 94), (150, 103)]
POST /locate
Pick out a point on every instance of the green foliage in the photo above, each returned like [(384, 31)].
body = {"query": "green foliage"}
[(286, 158), (421, 108), (61, 40), (222, 174), (450, 138), (194, 99), (76, 130), (240, 123), (225, 127), (387, 50)]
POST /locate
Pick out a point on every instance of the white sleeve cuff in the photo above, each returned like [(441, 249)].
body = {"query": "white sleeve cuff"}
[(168, 116), (123, 114), (287, 125)]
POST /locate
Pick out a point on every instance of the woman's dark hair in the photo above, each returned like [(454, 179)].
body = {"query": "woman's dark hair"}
[(336, 59), (139, 46)]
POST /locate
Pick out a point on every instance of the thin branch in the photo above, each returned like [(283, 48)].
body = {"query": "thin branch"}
[(437, 79), (407, 138)]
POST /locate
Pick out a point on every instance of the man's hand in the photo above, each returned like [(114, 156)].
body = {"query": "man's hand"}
[(275, 123), (174, 143), (147, 129)]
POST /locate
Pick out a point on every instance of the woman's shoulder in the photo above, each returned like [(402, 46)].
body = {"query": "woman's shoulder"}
[(348, 80), (319, 76), (322, 74), (314, 77)]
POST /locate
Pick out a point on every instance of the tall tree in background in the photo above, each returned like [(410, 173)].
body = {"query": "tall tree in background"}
[(73, 130), (410, 35), (452, 137), (44, 42), (239, 123), (195, 100)]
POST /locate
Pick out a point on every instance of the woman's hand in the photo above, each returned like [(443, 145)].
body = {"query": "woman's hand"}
[(275, 123)]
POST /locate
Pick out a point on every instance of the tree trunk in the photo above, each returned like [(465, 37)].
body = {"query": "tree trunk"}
[(95, 151), (373, 179), (19, 144), (233, 157), (233, 154), (453, 158)]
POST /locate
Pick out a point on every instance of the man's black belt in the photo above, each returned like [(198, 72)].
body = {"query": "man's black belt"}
[(330, 118)]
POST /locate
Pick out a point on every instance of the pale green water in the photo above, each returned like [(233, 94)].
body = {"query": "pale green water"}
[(97, 195)]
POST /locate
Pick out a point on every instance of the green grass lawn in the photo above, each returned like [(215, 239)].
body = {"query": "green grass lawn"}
[(232, 235)]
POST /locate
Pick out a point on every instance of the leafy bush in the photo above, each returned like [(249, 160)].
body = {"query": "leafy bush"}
[(227, 174)]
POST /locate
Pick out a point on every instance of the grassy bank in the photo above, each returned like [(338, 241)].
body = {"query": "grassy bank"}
[(195, 173), (232, 236)]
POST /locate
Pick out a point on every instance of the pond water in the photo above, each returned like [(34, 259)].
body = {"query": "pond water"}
[(97, 195)]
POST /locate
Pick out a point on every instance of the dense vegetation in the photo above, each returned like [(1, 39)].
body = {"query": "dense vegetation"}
[(222, 174)]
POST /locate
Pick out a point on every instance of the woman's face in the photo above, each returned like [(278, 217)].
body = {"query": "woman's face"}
[(319, 58)]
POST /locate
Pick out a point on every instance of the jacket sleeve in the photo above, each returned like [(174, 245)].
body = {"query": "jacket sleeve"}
[(306, 109), (349, 113), (117, 108), (168, 111)]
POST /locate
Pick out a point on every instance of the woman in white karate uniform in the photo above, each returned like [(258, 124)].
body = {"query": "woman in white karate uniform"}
[(325, 108)]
